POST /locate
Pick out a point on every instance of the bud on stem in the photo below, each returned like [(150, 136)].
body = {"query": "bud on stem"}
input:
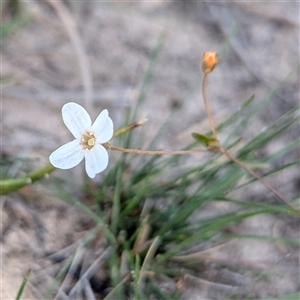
[(209, 61)]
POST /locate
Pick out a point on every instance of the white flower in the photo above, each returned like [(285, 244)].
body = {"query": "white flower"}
[(88, 140)]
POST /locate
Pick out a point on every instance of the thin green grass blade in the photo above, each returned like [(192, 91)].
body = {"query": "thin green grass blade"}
[(287, 297), (22, 287), (62, 272), (207, 226), (283, 151), (236, 115), (115, 274), (269, 208), (116, 288), (287, 241), (179, 215), (11, 26), (148, 75), (260, 106), (63, 194), (273, 171), (147, 163), (157, 293), (264, 138), (116, 207), (132, 114), (136, 277), (137, 199)]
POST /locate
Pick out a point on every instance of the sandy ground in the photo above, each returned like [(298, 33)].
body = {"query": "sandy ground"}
[(258, 45)]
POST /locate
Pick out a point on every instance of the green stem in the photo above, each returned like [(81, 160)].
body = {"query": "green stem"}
[(13, 184), (21, 289), (210, 118)]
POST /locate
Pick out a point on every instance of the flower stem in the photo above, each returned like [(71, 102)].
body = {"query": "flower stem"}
[(11, 185), (149, 152), (210, 119)]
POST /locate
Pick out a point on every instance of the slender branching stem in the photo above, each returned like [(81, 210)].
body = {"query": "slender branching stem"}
[(149, 152), (210, 119)]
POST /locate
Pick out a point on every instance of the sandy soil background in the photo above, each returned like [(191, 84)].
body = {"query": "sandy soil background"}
[(258, 45)]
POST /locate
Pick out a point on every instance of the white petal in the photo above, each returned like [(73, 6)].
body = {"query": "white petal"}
[(67, 156), (76, 118), (96, 160), (103, 127)]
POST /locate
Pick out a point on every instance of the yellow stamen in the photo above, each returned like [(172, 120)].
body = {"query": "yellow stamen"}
[(88, 140), (91, 142)]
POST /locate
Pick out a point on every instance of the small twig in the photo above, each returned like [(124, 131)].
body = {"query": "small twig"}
[(147, 260), (92, 269), (88, 290), (142, 235), (76, 260), (114, 290)]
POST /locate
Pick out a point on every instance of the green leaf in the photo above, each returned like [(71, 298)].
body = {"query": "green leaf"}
[(203, 139)]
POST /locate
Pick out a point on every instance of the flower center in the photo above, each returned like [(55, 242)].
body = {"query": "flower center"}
[(88, 140)]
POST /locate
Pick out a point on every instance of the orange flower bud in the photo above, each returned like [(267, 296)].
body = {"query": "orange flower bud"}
[(209, 61)]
